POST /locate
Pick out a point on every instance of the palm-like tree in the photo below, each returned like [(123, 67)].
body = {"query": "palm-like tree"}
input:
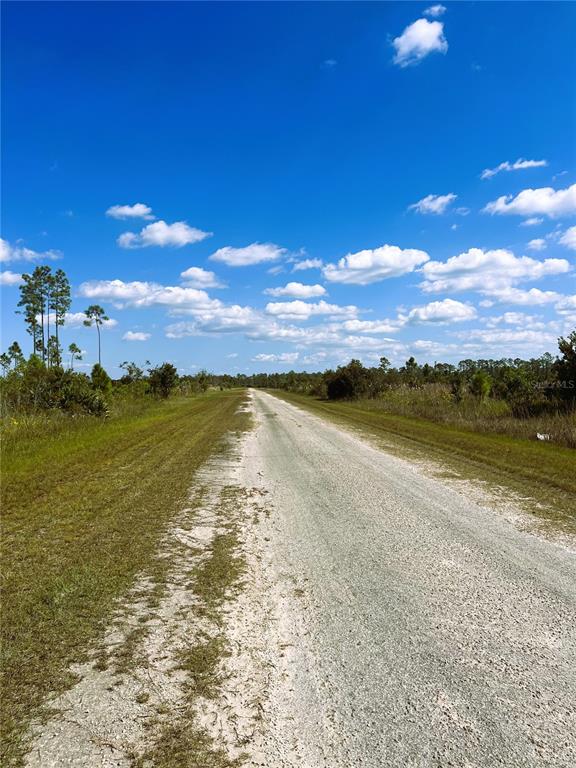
[(95, 315), (75, 354)]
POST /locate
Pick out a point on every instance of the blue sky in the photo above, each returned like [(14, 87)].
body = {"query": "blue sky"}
[(246, 141)]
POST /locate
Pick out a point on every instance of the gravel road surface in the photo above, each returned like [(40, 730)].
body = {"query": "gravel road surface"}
[(435, 632)]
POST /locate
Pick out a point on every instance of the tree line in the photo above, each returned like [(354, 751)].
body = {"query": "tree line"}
[(47, 380)]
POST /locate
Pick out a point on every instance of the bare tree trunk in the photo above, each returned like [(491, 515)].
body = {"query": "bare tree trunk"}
[(98, 329), (43, 330)]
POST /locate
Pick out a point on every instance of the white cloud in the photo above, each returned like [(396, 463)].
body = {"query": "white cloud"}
[(161, 234), (518, 165), (544, 201), (371, 326), (532, 298), (196, 277), (440, 312), (297, 290), (301, 310), (538, 244), (143, 294), (433, 204), (534, 340), (76, 320), (370, 266), (533, 221), (136, 211), (566, 304), (487, 271), (329, 63), (517, 319), (283, 357), (136, 336), (10, 278), (307, 264), (418, 40), (217, 319), (20, 253), (569, 238), (435, 10), (256, 253)]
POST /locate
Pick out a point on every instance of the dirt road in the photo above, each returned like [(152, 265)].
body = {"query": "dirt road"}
[(425, 630), (387, 619)]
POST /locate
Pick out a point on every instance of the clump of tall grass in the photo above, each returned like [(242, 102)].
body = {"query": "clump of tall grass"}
[(436, 403)]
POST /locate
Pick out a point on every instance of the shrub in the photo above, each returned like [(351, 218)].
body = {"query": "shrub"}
[(100, 379), (33, 387), (480, 385), (348, 382), (162, 380)]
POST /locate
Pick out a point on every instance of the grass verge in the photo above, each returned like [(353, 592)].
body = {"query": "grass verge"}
[(85, 506), (180, 742), (542, 471)]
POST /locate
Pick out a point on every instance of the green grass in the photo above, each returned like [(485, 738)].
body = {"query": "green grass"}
[(85, 505), (543, 471)]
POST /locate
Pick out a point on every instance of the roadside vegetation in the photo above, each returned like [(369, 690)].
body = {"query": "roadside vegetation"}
[(531, 399), (86, 502)]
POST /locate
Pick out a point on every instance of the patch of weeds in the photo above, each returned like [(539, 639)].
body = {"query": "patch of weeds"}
[(124, 656), (201, 664), (182, 745)]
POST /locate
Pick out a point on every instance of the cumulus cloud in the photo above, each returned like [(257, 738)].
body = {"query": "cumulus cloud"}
[(418, 40), (283, 357), (433, 204), (544, 201), (307, 264), (534, 340), (517, 319), (196, 277), (435, 10), (531, 298), (20, 253), (297, 290), (538, 244), (569, 238), (371, 326), (162, 234), (301, 310), (217, 319), (256, 253), (533, 221), (518, 165), (440, 312), (76, 320), (487, 271), (136, 336), (136, 211), (566, 306), (144, 294), (372, 265), (10, 278)]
